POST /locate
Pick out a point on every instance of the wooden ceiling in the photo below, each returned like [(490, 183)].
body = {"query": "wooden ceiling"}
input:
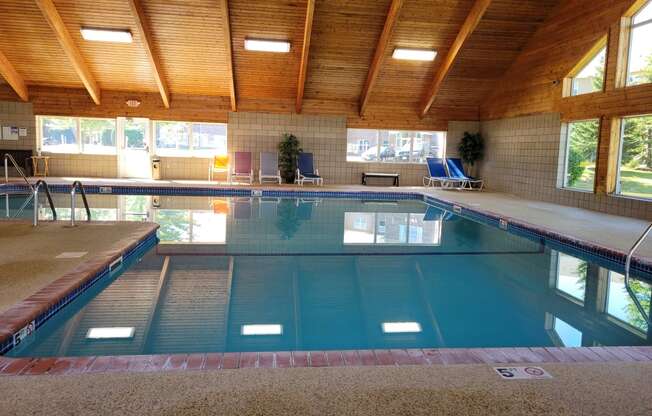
[(187, 39)]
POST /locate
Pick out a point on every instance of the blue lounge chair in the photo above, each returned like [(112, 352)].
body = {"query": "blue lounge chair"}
[(456, 170), (437, 174), (306, 171)]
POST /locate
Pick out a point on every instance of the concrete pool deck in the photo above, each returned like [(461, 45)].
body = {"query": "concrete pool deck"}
[(575, 389), (606, 230)]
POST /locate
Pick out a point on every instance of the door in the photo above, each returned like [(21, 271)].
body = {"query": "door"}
[(135, 137)]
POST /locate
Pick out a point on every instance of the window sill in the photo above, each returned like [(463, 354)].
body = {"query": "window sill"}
[(584, 191), (631, 198)]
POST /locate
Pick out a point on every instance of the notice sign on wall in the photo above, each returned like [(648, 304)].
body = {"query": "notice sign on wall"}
[(10, 133), (522, 373)]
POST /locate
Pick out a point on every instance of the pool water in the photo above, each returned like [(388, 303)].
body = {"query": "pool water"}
[(274, 274)]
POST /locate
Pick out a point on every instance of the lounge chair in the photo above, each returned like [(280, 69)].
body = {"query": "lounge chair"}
[(456, 170), (306, 171), (269, 167), (242, 169), (437, 174), (220, 164)]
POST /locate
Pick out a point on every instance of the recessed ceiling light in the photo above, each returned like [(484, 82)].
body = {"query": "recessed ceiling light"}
[(414, 54), (262, 329), (401, 327), (265, 45), (106, 35), (111, 333)]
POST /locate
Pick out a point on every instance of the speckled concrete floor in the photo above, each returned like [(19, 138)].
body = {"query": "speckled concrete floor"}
[(576, 389), (27, 254)]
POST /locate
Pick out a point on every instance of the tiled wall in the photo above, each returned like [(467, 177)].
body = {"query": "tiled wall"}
[(522, 158), (19, 115)]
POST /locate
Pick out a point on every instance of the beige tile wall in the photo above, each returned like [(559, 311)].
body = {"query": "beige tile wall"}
[(83, 166), (19, 115), (522, 158)]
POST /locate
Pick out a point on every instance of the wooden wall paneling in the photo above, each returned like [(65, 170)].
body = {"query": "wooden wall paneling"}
[(143, 27), (226, 26), (305, 52), (70, 48), (12, 76), (380, 52), (469, 25)]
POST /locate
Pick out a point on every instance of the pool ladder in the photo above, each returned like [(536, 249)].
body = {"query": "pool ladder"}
[(628, 262), (73, 197)]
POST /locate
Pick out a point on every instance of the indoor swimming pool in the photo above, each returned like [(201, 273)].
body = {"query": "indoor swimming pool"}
[(235, 274)]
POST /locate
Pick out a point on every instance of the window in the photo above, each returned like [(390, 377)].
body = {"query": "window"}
[(174, 138), (571, 276), (398, 228), (62, 135), (98, 136), (580, 154), (59, 135), (562, 333), (639, 62), (590, 77), (635, 161), (620, 304), (393, 146)]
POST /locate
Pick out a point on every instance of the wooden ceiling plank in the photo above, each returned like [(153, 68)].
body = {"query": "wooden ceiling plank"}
[(469, 25), (303, 69), (12, 76), (381, 48), (224, 6), (53, 18), (143, 27)]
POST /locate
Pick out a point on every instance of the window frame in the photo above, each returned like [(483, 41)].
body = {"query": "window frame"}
[(566, 137), (617, 190), (191, 152), (630, 29), (412, 137), (79, 142)]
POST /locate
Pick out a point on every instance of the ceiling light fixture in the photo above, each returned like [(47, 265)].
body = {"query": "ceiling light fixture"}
[(133, 103), (267, 45), (414, 54), (401, 327), (106, 35)]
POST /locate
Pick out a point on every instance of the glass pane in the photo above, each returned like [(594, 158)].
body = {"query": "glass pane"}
[(568, 334), (571, 276), (402, 141), (639, 66), (59, 135), (391, 228), (635, 174), (428, 144), (424, 232), (644, 14), (359, 227), (209, 139), (172, 137), (361, 145), (591, 77), (136, 133), (98, 135), (581, 151), (621, 305)]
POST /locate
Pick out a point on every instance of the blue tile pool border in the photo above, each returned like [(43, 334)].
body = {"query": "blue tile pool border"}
[(149, 241), (524, 229)]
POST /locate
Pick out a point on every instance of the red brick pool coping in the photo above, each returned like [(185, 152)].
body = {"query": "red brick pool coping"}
[(22, 313), (304, 359)]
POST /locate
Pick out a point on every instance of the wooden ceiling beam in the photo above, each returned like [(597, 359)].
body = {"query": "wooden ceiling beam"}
[(224, 8), (469, 25), (53, 18), (303, 69), (146, 34), (12, 76), (381, 48)]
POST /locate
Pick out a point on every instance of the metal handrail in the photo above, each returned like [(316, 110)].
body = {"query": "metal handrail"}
[(73, 190), (9, 157), (37, 187), (628, 262)]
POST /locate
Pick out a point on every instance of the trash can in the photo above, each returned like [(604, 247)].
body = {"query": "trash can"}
[(156, 168)]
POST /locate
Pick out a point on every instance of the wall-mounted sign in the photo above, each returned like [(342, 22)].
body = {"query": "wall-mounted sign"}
[(9, 133)]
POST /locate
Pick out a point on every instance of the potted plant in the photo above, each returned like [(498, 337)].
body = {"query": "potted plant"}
[(471, 149), (288, 152)]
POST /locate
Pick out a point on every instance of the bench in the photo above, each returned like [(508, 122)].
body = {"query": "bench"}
[(22, 157), (394, 176)]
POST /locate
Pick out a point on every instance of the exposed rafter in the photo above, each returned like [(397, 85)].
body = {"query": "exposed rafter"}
[(303, 69), (143, 27), (224, 6), (14, 79), (469, 25), (70, 48), (381, 48)]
